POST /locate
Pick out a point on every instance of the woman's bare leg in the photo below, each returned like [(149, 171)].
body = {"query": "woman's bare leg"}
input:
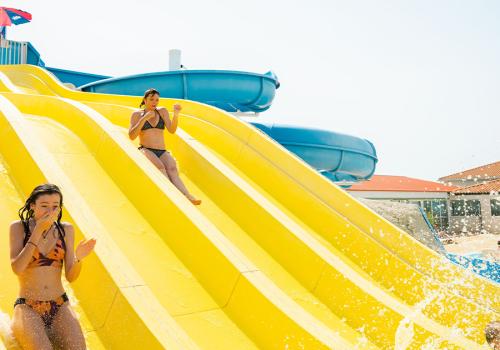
[(66, 330), (173, 173), (155, 160), (29, 329)]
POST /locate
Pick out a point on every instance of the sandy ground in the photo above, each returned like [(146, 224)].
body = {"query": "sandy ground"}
[(486, 243)]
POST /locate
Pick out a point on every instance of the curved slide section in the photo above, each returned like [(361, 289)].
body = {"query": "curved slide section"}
[(232, 91), (339, 157), (374, 293)]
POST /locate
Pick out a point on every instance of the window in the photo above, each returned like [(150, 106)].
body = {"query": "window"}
[(436, 211), (471, 207), (457, 208), (427, 207), (495, 207), (439, 208)]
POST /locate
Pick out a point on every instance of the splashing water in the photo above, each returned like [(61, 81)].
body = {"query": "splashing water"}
[(362, 340), (408, 218), (405, 331), (404, 334), (6, 334)]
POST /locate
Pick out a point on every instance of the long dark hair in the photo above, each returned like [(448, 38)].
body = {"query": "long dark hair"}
[(147, 93), (26, 213)]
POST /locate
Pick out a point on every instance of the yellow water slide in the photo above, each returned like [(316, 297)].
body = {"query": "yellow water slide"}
[(276, 257)]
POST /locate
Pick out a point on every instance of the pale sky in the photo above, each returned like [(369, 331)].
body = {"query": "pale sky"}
[(420, 79)]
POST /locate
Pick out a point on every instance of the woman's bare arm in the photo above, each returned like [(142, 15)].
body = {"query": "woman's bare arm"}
[(72, 266), (136, 124), (170, 125), (20, 256), (175, 118)]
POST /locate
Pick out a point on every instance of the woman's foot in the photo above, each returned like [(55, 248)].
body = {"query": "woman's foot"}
[(194, 200)]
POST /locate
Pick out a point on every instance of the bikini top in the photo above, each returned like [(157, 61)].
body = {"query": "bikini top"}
[(54, 257), (147, 125)]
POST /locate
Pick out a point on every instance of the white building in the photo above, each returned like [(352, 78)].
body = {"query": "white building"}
[(431, 196), (475, 206)]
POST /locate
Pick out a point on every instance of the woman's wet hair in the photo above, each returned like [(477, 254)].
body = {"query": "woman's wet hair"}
[(147, 93), (26, 213)]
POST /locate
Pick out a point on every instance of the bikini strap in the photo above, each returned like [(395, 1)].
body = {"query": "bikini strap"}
[(147, 121), (159, 116)]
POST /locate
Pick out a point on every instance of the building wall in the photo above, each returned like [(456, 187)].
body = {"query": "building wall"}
[(397, 194), (434, 204), (475, 224)]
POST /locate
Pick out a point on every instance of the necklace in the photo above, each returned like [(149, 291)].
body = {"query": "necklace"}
[(46, 233)]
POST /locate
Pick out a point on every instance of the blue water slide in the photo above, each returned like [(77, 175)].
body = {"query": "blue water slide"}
[(33, 56), (339, 157), (232, 91)]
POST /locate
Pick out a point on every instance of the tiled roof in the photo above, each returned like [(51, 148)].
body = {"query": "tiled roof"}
[(390, 183), (483, 172), (483, 188)]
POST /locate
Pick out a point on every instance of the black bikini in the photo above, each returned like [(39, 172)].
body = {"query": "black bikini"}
[(157, 152), (160, 125), (147, 125)]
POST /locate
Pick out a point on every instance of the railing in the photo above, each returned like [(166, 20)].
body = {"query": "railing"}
[(19, 52), (13, 52)]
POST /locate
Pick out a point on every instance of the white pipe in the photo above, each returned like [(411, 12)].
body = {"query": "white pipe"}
[(174, 62)]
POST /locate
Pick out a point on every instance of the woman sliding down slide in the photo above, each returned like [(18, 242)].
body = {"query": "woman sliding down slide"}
[(151, 137)]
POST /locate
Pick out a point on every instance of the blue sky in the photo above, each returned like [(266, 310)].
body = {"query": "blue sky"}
[(420, 79)]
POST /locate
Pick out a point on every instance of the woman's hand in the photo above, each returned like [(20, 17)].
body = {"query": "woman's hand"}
[(84, 248), (177, 108), (44, 223), (148, 115)]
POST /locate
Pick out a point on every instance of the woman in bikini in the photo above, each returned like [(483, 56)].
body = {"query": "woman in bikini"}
[(40, 245), (149, 124)]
